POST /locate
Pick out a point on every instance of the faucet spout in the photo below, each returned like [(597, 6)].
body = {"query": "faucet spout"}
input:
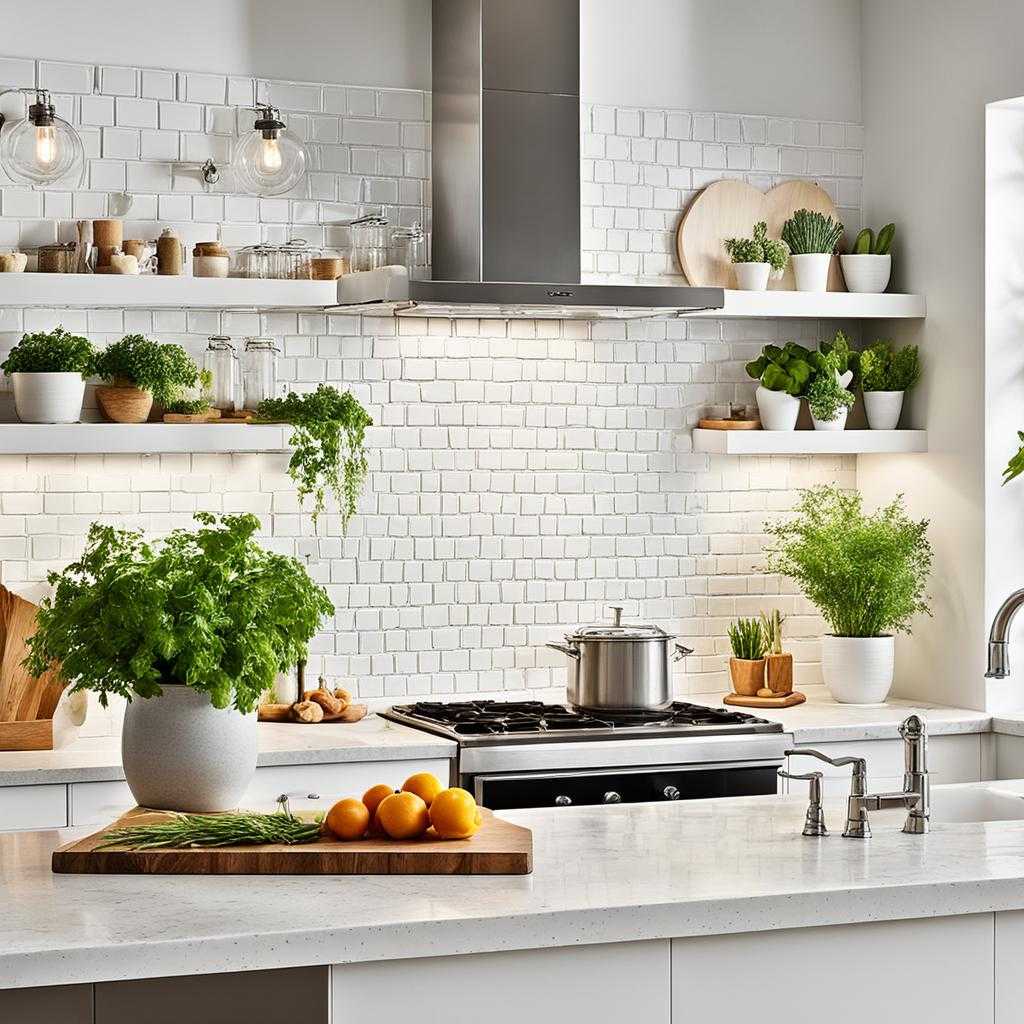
[(998, 642)]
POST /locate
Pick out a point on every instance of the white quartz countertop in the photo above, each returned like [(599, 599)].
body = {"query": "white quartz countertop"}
[(602, 874), (97, 759)]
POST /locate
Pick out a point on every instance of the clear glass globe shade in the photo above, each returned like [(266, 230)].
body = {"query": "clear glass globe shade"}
[(42, 154), (269, 167)]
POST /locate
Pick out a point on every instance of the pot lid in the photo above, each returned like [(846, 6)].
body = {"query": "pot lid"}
[(616, 631)]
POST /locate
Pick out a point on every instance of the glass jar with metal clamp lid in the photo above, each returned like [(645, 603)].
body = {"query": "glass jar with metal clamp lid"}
[(221, 361), (259, 371)]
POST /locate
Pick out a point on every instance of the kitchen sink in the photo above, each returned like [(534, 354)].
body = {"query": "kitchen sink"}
[(971, 801)]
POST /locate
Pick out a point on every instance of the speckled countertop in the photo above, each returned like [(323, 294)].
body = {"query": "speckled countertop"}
[(602, 874), (96, 759)]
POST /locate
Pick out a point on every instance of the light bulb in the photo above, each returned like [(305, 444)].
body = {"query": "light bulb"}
[(46, 146), (269, 159)]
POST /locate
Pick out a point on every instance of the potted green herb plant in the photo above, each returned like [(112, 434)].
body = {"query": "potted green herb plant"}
[(755, 259), (746, 666), (812, 239), (886, 375), (783, 375), (328, 442), (778, 664), (866, 573), (48, 371), (191, 630), (867, 269), (139, 372)]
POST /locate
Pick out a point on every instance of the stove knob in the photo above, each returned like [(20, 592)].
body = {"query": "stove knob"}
[(611, 797), (670, 793), (563, 801)]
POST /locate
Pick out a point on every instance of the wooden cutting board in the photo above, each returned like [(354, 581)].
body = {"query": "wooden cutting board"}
[(498, 848), (730, 209), (23, 697)]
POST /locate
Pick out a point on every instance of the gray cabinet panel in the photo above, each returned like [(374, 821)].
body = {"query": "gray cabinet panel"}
[(532, 45), (52, 1004)]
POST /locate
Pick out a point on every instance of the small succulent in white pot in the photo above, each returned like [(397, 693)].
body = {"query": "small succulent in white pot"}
[(866, 573), (48, 371), (812, 239), (757, 258), (867, 269), (886, 376)]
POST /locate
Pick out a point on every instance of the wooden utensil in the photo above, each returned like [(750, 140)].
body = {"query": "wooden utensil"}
[(498, 848), (730, 209), (718, 424)]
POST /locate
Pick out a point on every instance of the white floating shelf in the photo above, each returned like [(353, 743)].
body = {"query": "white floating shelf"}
[(140, 438), (149, 291), (809, 442), (817, 306)]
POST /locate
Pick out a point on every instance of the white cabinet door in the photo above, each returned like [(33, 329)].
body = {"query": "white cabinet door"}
[(1009, 957), (1009, 757), (937, 970), (98, 803), (627, 981), (28, 807)]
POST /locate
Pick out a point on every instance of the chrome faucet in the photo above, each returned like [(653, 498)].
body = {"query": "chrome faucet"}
[(915, 796), (998, 644)]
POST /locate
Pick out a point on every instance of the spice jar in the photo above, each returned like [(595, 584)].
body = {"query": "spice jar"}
[(259, 371), (210, 259), (170, 253), (56, 259), (222, 362), (409, 250)]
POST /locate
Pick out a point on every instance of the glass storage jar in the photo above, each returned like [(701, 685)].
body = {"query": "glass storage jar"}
[(222, 362), (259, 371), (409, 250), (369, 239)]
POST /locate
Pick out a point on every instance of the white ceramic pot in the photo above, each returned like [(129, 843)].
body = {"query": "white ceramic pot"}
[(883, 409), (752, 277), (48, 397), (811, 270), (180, 753), (866, 272), (839, 423), (778, 411), (856, 669)]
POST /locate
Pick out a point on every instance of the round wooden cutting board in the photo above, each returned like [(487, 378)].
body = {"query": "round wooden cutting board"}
[(730, 209)]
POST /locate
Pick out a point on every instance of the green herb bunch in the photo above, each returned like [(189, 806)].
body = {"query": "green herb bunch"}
[(786, 369), (206, 607), (54, 351), (759, 249), (329, 453), (885, 369), (213, 830), (188, 406), (809, 231), (866, 573), (747, 639), (165, 370), (825, 395), (1015, 466), (838, 354)]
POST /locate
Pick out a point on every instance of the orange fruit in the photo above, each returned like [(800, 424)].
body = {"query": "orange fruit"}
[(454, 814), (373, 796), (425, 785), (403, 816), (348, 819)]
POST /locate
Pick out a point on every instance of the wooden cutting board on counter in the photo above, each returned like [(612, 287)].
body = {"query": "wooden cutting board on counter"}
[(498, 848)]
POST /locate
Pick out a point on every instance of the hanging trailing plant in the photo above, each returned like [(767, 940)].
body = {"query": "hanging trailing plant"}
[(328, 445)]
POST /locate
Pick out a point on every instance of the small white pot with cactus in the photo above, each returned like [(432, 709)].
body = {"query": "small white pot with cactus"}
[(868, 268), (886, 376), (812, 239), (756, 259)]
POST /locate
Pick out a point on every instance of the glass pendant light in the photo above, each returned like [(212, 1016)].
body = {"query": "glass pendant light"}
[(268, 160), (41, 149)]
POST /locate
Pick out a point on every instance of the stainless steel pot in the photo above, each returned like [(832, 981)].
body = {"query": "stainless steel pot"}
[(620, 668)]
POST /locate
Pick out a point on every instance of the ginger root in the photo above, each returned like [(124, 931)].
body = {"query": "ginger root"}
[(308, 711)]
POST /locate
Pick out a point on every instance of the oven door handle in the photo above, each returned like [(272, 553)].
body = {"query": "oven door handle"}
[(572, 652)]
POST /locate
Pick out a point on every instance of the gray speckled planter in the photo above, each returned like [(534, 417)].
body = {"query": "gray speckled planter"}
[(180, 753)]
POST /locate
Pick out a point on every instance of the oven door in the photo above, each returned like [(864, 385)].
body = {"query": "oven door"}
[(624, 785)]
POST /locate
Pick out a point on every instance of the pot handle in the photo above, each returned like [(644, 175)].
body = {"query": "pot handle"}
[(570, 651), (682, 652)]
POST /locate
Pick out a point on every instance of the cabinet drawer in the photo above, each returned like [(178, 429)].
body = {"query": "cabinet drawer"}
[(28, 807), (98, 803)]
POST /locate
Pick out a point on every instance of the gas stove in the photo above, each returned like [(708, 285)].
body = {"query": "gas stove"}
[(530, 754)]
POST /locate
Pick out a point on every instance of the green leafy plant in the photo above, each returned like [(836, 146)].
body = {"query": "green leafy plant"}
[(325, 422), (866, 573), (826, 397), (786, 369), (188, 406), (866, 243), (747, 640), (212, 830), (1015, 466), (885, 369), (809, 231), (758, 249), (771, 628), (54, 351), (208, 607), (135, 361), (838, 354)]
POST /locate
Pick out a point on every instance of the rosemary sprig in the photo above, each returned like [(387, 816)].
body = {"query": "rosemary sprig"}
[(199, 830)]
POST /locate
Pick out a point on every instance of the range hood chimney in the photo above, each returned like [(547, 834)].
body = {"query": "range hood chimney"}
[(505, 158)]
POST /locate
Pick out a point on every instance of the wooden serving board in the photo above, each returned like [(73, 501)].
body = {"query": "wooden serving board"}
[(788, 701), (498, 848)]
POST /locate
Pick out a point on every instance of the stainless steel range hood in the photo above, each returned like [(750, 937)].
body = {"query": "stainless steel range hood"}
[(506, 172)]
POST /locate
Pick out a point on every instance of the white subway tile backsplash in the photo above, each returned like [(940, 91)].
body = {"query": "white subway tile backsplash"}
[(184, 117), (59, 76), (120, 143), (200, 88), (370, 133), (119, 81), (136, 113), (97, 110)]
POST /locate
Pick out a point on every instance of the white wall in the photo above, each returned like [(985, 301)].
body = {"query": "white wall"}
[(386, 42), (796, 58)]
